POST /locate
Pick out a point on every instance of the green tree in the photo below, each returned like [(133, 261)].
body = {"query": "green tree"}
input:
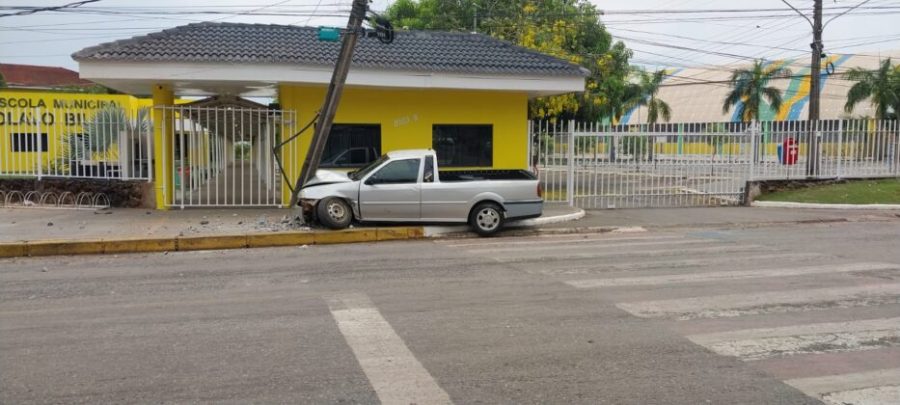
[(648, 96), (750, 89), (2, 81), (881, 87), (567, 29)]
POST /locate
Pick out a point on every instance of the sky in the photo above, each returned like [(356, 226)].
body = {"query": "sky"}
[(662, 33)]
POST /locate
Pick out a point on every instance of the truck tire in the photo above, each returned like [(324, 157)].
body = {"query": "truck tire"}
[(334, 213), (486, 218)]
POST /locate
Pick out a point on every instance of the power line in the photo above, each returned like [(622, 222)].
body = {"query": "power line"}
[(33, 10)]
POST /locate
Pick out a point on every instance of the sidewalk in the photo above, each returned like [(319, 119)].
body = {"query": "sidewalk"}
[(719, 216), (28, 224)]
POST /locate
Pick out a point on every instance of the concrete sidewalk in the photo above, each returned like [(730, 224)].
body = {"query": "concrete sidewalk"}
[(718, 216), (29, 224)]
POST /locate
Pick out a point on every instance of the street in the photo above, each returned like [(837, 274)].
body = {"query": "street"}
[(780, 314)]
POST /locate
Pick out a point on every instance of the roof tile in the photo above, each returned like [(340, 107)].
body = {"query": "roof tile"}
[(429, 51)]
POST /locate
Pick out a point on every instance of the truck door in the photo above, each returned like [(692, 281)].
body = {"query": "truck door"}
[(392, 192)]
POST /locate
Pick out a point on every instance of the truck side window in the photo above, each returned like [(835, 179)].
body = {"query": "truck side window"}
[(428, 173), (398, 172)]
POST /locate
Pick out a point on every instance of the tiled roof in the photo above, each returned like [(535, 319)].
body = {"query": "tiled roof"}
[(40, 76), (427, 51)]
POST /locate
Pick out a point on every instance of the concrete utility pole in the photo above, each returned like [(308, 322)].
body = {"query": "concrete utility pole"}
[(812, 151), (332, 98)]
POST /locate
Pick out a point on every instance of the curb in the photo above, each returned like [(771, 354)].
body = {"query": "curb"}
[(444, 230), (210, 242), (781, 204)]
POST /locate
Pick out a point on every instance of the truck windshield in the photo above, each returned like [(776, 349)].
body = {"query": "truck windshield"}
[(362, 172)]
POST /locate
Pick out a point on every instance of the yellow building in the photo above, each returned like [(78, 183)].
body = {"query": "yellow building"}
[(39, 129), (465, 95)]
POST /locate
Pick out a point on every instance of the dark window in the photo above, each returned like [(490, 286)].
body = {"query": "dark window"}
[(362, 141), (27, 142), (428, 172), (398, 171), (463, 145)]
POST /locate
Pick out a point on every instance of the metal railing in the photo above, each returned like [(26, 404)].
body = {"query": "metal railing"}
[(592, 165), (107, 143), (222, 156)]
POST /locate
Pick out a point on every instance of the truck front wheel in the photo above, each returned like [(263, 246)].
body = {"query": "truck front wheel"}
[(334, 213), (486, 218)]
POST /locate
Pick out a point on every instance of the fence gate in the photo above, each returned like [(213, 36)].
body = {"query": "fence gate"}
[(601, 166), (222, 156)]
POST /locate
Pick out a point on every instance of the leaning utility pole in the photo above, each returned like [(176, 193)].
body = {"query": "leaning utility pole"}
[(815, 67), (332, 98)]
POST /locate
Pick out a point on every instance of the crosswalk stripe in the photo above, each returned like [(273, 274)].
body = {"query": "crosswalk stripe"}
[(596, 246), (731, 305), (884, 395), (654, 252), (819, 386), (729, 275), (757, 344), (678, 264), (394, 372), (564, 241)]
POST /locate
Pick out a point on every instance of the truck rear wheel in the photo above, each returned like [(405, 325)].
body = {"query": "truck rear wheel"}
[(334, 213), (486, 218)]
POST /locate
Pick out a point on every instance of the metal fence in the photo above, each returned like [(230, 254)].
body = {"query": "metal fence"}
[(592, 165), (222, 156), (107, 143)]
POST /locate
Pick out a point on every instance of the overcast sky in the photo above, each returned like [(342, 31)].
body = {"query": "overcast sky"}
[(668, 39)]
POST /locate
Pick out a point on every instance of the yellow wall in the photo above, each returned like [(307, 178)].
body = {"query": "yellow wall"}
[(61, 113), (406, 117)]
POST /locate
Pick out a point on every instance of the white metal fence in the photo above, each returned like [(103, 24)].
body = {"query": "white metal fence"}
[(222, 156), (107, 143), (701, 164)]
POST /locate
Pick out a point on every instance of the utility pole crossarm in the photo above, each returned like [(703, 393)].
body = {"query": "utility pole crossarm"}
[(332, 98)]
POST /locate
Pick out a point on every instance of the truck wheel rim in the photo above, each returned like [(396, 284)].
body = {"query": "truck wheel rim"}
[(488, 219), (336, 211)]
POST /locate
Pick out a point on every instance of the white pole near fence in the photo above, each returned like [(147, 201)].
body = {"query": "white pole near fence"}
[(40, 144), (570, 173)]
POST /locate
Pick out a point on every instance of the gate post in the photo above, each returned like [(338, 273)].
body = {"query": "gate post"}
[(754, 148), (40, 145), (570, 172), (163, 125)]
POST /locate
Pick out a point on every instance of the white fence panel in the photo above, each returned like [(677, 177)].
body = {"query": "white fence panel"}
[(222, 156), (593, 165), (107, 143)]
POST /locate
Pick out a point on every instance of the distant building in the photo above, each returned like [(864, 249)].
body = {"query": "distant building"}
[(697, 94), (40, 77)]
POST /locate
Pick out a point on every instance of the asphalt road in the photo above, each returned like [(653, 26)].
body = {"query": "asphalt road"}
[(771, 315)]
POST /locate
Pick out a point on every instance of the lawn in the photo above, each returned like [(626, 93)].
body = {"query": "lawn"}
[(885, 191)]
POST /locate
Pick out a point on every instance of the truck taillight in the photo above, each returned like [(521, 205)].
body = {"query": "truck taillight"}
[(540, 191)]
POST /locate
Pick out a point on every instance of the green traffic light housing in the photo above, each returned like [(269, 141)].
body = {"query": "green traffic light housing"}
[(330, 34)]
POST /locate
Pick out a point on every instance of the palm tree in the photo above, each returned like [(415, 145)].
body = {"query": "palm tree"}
[(648, 90), (881, 87), (106, 128), (750, 89)]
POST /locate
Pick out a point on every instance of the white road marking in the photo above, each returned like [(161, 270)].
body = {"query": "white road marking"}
[(543, 241), (822, 386), (764, 302), (395, 374), (674, 264), (830, 337), (729, 275), (596, 246), (888, 395), (655, 252)]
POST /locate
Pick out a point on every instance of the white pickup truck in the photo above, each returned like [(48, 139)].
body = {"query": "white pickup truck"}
[(406, 186)]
